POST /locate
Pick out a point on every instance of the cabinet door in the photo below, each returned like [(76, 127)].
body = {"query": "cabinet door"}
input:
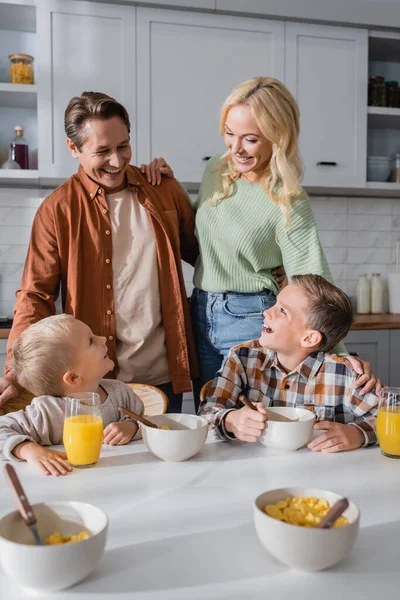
[(326, 70), (82, 46), (372, 346), (187, 65)]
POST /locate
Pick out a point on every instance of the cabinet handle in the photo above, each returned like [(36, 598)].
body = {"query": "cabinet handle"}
[(353, 354), (326, 163), (205, 158)]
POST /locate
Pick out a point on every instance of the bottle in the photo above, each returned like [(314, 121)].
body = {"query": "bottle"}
[(20, 146), (363, 295), (395, 172), (376, 294), (11, 163)]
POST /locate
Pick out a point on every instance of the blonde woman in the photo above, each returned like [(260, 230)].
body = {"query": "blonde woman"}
[(251, 216)]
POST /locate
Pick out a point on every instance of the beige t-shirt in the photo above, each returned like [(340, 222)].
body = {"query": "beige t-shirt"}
[(141, 347)]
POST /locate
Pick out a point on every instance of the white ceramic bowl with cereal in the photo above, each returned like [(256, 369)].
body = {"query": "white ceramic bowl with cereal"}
[(287, 428), (185, 436), (50, 568), (305, 548)]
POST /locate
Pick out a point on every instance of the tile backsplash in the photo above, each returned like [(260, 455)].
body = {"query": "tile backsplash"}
[(358, 235)]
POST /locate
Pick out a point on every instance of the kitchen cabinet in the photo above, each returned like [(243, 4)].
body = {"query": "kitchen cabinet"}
[(326, 70), (82, 46), (187, 64)]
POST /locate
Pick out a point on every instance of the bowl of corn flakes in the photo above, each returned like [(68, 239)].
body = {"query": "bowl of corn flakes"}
[(285, 521), (287, 428), (178, 438), (73, 534)]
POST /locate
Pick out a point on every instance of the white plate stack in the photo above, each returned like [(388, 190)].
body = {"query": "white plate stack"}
[(378, 168)]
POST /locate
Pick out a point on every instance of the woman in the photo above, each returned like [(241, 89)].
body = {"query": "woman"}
[(114, 244), (252, 215)]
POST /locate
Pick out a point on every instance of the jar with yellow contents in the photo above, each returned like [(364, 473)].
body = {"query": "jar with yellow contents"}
[(21, 68)]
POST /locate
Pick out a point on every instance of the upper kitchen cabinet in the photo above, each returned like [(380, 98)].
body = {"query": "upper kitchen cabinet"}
[(82, 46), (186, 66), (326, 70)]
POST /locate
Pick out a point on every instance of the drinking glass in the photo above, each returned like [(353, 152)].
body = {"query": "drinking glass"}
[(83, 429), (388, 422)]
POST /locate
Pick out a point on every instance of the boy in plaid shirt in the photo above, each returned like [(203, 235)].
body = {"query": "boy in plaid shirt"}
[(289, 366)]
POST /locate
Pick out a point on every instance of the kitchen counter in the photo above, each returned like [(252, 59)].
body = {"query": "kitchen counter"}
[(385, 321)]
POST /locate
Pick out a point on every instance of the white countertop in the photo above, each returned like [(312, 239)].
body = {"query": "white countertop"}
[(185, 531)]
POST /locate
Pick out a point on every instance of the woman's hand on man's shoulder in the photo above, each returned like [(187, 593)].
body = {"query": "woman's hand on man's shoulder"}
[(155, 170)]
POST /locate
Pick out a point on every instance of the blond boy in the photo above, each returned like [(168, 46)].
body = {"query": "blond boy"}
[(54, 358), (289, 366)]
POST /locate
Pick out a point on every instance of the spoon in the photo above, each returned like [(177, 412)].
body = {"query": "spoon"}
[(24, 507), (133, 415), (249, 404), (334, 513)]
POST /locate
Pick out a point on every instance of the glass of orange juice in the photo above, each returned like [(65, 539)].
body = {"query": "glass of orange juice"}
[(388, 422), (83, 429)]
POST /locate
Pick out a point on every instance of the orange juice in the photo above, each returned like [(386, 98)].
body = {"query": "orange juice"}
[(83, 438), (388, 430)]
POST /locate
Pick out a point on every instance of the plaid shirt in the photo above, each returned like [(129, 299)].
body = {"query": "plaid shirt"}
[(322, 383)]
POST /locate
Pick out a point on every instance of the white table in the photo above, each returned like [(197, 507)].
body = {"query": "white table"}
[(185, 531)]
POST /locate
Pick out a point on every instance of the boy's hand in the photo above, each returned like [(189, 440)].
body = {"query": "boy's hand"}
[(45, 460), (337, 438), (245, 423), (119, 433)]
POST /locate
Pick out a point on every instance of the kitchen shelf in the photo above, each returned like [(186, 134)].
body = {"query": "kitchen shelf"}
[(18, 95), (383, 185), (384, 118), (23, 177)]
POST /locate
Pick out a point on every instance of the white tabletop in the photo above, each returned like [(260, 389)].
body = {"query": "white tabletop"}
[(185, 531)]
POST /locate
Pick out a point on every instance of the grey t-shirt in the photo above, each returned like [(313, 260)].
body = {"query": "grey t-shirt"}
[(43, 420)]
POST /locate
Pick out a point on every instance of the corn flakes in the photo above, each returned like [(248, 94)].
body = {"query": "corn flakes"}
[(57, 538), (304, 512), (165, 427)]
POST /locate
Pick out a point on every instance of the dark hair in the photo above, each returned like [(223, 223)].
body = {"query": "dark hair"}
[(87, 106), (329, 310)]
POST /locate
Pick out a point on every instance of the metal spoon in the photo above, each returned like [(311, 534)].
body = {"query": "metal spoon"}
[(24, 507), (334, 513)]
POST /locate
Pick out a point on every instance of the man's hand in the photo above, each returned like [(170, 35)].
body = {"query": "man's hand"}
[(45, 460), (116, 434), (279, 275), (7, 391), (156, 169), (367, 378), (337, 438), (245, 423)]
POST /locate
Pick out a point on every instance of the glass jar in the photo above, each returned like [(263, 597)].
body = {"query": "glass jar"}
[(392, 88), (20, 147), (378, 91), (21, 68), (395, 170)]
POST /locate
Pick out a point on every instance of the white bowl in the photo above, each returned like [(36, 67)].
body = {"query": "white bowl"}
[(52, 568), (185, 438), (303, 548), (287, 436), (378, 172)]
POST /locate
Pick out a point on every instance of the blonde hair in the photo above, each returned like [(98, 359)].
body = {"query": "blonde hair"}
[(89, 106), (277, 115), (41, 356), (329, 310)]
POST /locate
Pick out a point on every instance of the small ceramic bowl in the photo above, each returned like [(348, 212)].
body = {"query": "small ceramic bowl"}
[(184, 439), (287, 436), (303, 548), (52, 568)]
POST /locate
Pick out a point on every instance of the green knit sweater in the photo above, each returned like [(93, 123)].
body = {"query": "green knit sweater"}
[(245, 236)]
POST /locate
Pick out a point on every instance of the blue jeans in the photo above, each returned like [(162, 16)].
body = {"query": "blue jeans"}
[(174, 400), (221, 321)]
